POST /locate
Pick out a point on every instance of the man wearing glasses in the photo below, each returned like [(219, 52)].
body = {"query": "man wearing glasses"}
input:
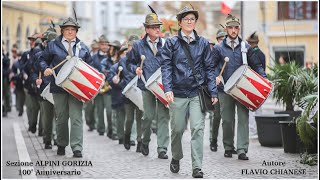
[(230, 47), (151, 47)]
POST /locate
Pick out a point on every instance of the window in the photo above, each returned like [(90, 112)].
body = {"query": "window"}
[(296, 54), (7, 38), (299, 10), (27, 35), (19, 36)]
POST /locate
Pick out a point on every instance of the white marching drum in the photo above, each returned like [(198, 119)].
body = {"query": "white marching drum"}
[(154, 84), (80, 79), (47, 95), (248, 87), (132, 92)]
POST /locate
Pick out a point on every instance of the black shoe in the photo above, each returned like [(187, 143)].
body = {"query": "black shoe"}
[(213, 147), (101, 133), (174, 166), (127, 142), (20, 113), (154, 130), (61, 150), (40, 133), (109, 134), (144, 149), (234, 151), (132, 143), (91, 129), (162, 155), (32, 129), (4, 114), (77, 154), (115, 137), (243, 156), (228, 153), (48, 146), (139, 147), (197, 173), (120, 141), (55, 142)]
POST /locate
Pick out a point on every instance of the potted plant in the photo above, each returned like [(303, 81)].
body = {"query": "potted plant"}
[(284, 85)]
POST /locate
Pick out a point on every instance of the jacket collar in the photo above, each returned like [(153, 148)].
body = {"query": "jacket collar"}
[(195, 35), (59, 43)]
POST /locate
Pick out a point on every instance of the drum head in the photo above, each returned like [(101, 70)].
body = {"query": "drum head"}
[(234, 78), (153, 77), (66, 70)]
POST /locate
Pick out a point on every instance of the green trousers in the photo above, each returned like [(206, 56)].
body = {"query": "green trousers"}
[(133, 113), (214, 127), (149, 105), (66, 107), (99, 107), (20, 99), (107, 104), (33, 108), (47, 111), (6, 94), (118, 119), (178, 110), (89, 114), (228, 105)]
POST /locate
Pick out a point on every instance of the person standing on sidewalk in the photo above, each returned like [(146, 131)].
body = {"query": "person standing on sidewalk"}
[(66, 105), (5, 81), (181, 87), (230, 47), (17, 80), (151, 47)]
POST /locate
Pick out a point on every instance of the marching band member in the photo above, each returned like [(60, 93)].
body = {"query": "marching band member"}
[(181, 87), (66, 105), (5, 82), (118, 111), (230, 47), (32, 97), (98, 100), (130, 107), (150, 46)]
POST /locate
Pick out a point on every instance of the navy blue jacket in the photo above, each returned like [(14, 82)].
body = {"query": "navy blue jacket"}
[(5, 67), (17, 79), (97, 59), (106, 64), (151, 63), (222, 50), (55, 52), (177, 75), (29, 59), (116, 92), (260, 56)]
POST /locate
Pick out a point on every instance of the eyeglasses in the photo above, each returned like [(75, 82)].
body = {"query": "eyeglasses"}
[(233, 27), (154, 27), (187, 19)]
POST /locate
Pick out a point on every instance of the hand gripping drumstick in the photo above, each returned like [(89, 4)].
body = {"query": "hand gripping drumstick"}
[(38, 86), (143, 57), (67, 58), (226, 59)]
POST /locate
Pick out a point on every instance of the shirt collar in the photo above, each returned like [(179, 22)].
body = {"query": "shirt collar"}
[(191, 35), (156, 41), (64, 39), (236, 41)]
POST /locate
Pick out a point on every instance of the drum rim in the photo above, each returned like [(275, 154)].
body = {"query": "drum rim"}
[(77, 61), (244, 71), (133, 80), (149, 81)]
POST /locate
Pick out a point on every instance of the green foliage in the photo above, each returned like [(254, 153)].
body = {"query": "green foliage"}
[(310, 159), (285, 83)]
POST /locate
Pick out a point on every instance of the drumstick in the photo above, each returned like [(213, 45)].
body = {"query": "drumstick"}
[(226, 59), (38, 86), (120, 68), (142, 60), (67, 58)]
